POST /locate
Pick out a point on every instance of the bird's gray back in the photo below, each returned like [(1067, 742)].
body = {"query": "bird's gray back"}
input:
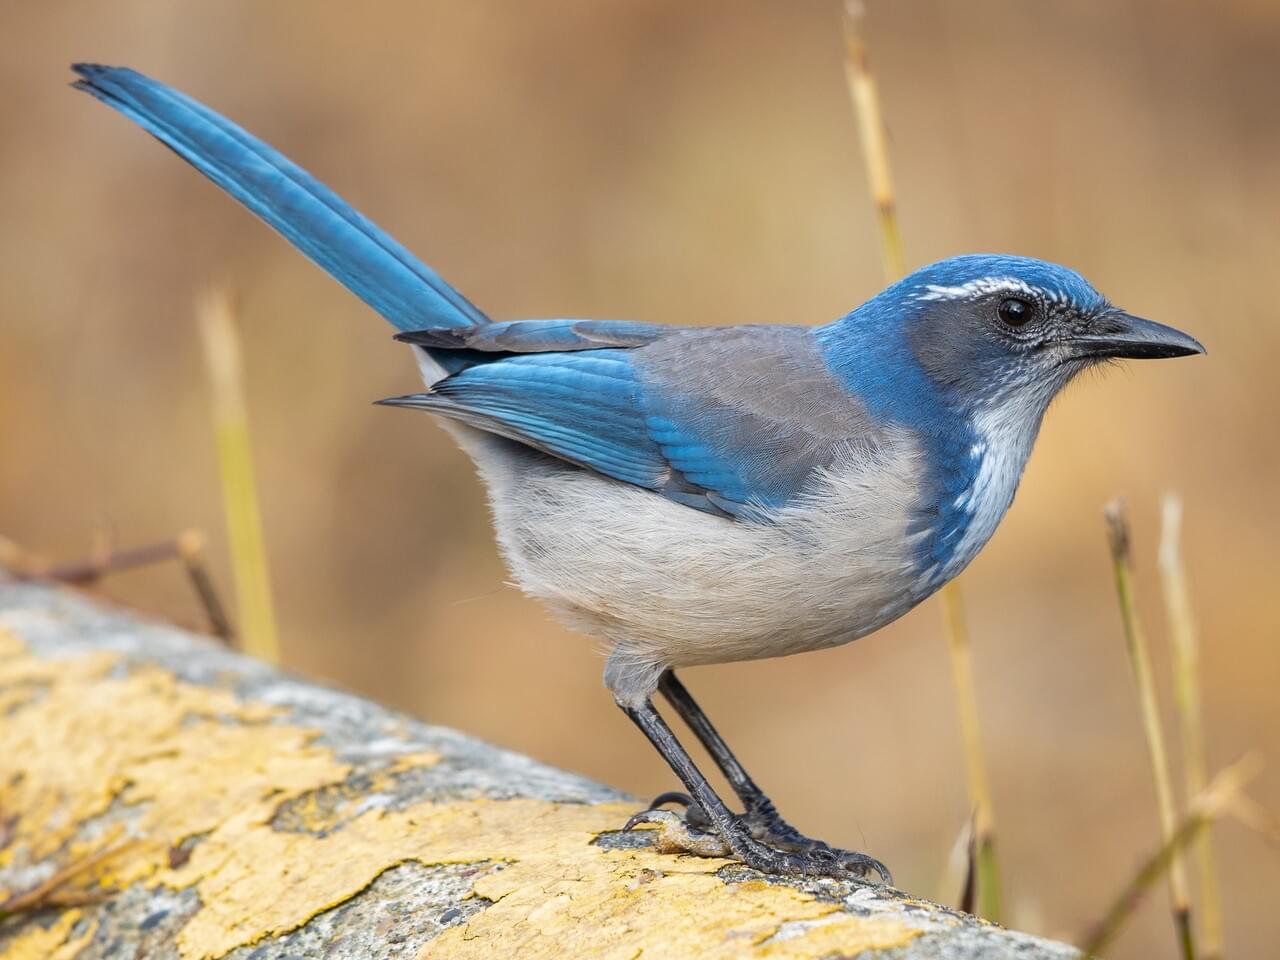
[(748, 408)]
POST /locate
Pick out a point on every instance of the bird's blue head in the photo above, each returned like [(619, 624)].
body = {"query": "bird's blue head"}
[(979, 331), (968, 353)]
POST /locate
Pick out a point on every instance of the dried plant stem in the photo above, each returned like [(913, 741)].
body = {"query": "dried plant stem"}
[(1140, 660), (1186, 661), (52, 891), (875, 153), (987, 867), (191, 552), (105, 560), (875, 148), (968, 900), (239, 494), (1224, 795)]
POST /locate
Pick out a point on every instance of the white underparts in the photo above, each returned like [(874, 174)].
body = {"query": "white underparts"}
[(664, 585), (1006, 425)]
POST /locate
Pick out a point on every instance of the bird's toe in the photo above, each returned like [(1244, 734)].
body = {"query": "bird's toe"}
[(676, 835)]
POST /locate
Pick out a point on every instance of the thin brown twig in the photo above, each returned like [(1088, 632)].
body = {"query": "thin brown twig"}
[(51, 892), (103, 562), (187, 547), (191, 552)]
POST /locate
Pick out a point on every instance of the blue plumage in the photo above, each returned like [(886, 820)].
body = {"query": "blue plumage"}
[(581, 407), (733, 421), (359, 254), (538, 336), (656, 413), (705, 495)]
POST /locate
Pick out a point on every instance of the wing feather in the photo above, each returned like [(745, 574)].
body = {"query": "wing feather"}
[(732, 421)]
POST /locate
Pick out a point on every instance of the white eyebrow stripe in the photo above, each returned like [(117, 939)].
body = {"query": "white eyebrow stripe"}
[(981, 288)]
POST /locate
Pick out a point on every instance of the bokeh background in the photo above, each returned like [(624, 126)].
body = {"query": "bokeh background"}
[(682, 163)]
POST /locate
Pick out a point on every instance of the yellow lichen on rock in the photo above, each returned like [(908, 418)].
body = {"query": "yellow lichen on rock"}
[(67, 705), (10, 644), (178, 761), (840, 935), (557, 893), (561, 895), (54, 942), (173, 750), (183, 759)]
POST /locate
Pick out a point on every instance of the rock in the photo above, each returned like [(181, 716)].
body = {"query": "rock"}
[(197, 804)]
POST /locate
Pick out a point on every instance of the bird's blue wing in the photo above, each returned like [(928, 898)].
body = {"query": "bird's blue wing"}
[(359, 254), (538, 336), (583, 407), (748, 414), (724, 420), (729, 421)]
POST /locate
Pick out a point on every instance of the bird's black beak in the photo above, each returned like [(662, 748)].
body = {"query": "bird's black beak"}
[(1120, 334)]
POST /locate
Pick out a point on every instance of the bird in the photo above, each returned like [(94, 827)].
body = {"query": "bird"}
[(703, 495)]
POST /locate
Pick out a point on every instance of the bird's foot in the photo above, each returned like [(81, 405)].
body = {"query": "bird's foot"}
[(677, 835), (762, 840), (761, 819)]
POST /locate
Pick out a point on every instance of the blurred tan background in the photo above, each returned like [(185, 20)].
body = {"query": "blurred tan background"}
[(683, 163)]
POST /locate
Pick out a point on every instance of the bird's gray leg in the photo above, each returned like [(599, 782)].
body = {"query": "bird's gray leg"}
[(760, 811), (735, 838), (761, 816)]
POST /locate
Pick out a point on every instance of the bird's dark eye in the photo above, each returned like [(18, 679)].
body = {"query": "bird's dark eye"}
[(1015, 312)]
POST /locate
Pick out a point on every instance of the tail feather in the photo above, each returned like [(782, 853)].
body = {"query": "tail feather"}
[(354, 250)]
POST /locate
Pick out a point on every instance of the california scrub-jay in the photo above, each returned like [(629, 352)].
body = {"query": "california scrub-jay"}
[(706, 495)]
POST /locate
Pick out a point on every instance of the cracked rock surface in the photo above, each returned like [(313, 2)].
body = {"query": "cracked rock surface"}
[(196, 804)]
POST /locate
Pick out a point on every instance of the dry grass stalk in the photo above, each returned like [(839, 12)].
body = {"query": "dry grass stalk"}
[(104, 560), (875, 152), (1186, 661), (1224, 795), (53, 892), (1140, 660), (191, 552), (871, 133), (986, 866), (221, 339)]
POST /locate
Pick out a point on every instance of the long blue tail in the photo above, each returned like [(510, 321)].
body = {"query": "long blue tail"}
[(308, 214)]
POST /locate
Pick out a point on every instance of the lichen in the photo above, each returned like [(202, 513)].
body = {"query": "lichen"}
[(54, 942), (191, 761)]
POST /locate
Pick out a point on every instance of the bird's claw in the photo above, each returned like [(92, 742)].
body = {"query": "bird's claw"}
[(777, 834), (676, 835), (817, 861), (693, 813), (767, 843), (847, 861)]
